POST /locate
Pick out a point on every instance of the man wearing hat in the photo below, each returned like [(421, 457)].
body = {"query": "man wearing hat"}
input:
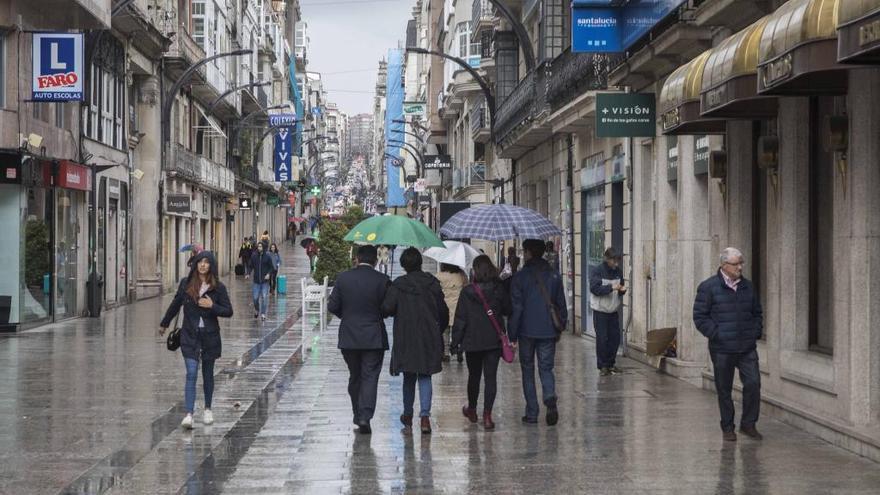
[(606, 292)]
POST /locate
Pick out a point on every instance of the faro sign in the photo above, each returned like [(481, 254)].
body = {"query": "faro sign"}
[(58, 67)]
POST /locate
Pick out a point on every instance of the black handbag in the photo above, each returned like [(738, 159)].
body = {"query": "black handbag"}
[(173, 339)]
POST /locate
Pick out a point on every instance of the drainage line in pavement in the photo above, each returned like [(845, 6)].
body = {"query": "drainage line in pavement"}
[(107, 472)]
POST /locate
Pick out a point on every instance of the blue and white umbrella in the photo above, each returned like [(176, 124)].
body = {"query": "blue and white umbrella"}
[(498, 223)]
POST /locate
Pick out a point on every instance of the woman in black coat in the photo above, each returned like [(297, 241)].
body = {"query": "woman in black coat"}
[(203, 299), (416, 302), (474, 333)]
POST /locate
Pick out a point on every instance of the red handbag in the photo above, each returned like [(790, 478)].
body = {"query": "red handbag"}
[(507, 352)]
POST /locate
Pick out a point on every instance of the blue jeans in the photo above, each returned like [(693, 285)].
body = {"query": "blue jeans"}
[(545, 349), (260, 293), (409, 393), (192, 372)]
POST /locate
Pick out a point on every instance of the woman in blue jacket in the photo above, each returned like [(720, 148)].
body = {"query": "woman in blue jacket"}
[(203, 299)]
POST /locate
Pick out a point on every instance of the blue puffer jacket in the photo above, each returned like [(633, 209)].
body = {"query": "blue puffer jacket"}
[(732, 320), (531, 315)]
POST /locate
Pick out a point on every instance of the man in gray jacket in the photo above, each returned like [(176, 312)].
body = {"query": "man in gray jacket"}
[(356, 299)]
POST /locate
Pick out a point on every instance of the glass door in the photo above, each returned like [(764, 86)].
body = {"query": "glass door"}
[(67, 205), (36, 257), (593, 239)]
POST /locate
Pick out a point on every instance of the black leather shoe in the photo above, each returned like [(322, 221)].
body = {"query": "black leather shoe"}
[(728, 436), (751, 432), (529, 421), (364, 428)]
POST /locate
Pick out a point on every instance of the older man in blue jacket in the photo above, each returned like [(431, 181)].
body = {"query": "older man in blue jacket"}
[(728, 312), (536, 291)]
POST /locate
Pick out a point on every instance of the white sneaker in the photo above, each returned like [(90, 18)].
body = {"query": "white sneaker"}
[(187, 423), (263, 317), (208, 418)]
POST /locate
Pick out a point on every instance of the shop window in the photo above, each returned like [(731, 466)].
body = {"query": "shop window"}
[(198, 20), (36, 257), (757, 264), (41, 111), (2, 69), (820, 247), (59, 116)]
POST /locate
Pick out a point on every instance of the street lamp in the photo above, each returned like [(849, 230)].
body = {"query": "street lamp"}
[(484, 86)]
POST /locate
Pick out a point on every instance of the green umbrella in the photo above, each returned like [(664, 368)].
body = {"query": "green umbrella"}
[(393, 230)]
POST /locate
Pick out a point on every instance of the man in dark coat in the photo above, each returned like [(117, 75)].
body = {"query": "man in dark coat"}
[(728, 312), (606, 291), (534, 289), (356, 299), (262, 265), (420, 315)]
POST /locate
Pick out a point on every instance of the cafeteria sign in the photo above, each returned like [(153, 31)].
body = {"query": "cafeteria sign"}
[(414, 108), (625, 115), (57, 67)]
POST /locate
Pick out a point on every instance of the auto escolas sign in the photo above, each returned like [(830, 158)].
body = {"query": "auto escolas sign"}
[(58, 67)]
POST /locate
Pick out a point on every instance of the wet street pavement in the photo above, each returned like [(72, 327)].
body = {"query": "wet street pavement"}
[(95, 407)]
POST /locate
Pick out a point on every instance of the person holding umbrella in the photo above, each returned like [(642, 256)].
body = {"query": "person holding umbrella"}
[(416, 302)]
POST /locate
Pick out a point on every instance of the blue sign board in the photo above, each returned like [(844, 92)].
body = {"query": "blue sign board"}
[(596, 30), (280, 119), (283, 154), (591, 22), (57, 67), (316, 110)]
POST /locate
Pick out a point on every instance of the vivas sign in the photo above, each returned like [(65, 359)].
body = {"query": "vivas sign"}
[(625, 115), (597, 26), (283, 154), (57, 67)]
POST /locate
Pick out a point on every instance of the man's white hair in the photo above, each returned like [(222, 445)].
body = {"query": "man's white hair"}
[(730, 252)]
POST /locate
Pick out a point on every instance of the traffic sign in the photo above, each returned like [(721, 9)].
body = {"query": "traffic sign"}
[(420, 185)]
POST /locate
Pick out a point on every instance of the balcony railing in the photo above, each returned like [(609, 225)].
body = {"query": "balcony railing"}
[(472, 175), (571, 74), (481, 11), (182, 162), (517, 108), (479, 115)]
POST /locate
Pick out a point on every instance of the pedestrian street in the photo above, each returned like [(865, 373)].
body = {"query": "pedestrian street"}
[(95, 407)]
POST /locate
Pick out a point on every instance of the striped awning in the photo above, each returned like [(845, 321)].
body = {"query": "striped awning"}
[(858, 30), (679, 103), (730, 87), (798, 50)]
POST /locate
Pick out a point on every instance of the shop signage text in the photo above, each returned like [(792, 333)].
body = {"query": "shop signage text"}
[(775, 71), (869, 33), (68, 175), (438, 162), (599, 27), (283, 154), (244, 203), (701, 154), (625, 115), (414, 108), (671, 158), (178, 203), (282, 119), (57, 67)]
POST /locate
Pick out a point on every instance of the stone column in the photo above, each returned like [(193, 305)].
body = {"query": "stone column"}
[(147, 157)]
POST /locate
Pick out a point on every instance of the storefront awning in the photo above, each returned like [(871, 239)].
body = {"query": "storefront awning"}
[(212, 126), (730, 87), (858, 30), (798, 50), (679, 103)]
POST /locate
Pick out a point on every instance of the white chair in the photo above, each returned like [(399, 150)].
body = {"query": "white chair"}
[(314, 303)]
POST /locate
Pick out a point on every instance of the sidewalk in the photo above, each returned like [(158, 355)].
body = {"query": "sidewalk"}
[(641, 432), (86, 403)]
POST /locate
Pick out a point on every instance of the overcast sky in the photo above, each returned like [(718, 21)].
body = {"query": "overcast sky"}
[(348, 38)]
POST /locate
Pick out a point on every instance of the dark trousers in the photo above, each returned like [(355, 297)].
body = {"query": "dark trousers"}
[(482, 364), (607, 327), (364, 367), (273, 280), (545, 350), (725, 365)]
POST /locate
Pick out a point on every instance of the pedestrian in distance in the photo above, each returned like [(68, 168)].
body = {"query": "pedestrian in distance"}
[(312, 253), (606, 292), (357, 301), (728, 312), (416, 302), (276, 265), (203, 299), (384, 258), (244, 254), (537, 320), (510, 264), (265, 237), (552, 256), (474, 333), (452, 281), (262, 265)]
